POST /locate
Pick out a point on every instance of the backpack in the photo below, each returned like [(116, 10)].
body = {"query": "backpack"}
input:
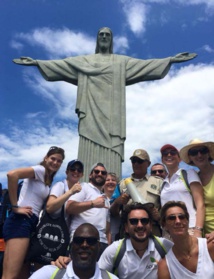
[(59, 273), (186, 183), (5, 207), (122, 248)]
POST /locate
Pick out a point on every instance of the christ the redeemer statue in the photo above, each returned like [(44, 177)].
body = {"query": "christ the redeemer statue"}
[(101, 101)]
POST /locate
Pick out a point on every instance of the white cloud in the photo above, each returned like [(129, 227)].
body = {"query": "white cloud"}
[(208, 48), (135, 12), (64, 42), (174, 110), (28, 147), (121, 44)]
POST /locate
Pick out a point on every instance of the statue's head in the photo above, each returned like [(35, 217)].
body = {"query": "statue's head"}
[(104, 40)]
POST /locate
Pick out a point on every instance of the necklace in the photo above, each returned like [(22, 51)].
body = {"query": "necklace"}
[(185, 256)]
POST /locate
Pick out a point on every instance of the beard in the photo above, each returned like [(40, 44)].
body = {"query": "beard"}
[(139, 239), (98, 183)]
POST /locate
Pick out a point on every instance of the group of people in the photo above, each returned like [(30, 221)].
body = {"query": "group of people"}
[(129, 239)]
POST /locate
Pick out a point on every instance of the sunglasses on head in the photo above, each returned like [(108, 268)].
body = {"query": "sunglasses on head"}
[(98, 171), (134, 221), (155, 171), (173, 217), (137, 160), (194, 151), (171, 152), (91, 241), (76, 169)]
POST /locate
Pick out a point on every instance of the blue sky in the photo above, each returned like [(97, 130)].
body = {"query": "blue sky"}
[(36, 114)]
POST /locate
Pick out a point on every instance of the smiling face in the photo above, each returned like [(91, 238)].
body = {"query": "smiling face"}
[(176, 222), (98, 176), (85, 247), (199, 155), (170, 158), (53, 162), (110, 185), (74, 173), (138, 232)]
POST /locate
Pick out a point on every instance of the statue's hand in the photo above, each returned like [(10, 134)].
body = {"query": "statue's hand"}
[(182, 57), (25, 61)]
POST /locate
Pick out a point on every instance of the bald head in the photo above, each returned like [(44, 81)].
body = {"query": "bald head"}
[(88, 230)]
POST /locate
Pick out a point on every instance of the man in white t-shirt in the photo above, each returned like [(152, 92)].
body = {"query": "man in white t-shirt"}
[(91, 206)]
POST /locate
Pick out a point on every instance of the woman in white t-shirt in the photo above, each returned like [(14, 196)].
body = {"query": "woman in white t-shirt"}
[(62, 190), (25, 210), (174, 188)]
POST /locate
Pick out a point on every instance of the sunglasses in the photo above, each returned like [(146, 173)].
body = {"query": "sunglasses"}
[(195, 151), (173, 217), (171, 152), (134, 221), (91, 241), (155, 171), (98, 171), (137, 160), (76, 169)]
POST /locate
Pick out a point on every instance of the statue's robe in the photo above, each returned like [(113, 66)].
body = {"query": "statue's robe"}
[(101, 100)]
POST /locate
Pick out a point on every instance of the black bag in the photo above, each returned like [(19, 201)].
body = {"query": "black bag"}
[(51, 239)]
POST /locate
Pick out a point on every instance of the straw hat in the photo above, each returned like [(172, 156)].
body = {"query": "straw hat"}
[(194, 143)]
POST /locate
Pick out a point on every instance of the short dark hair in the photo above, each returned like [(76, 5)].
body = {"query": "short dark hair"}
[(134, 206), (170, 204)]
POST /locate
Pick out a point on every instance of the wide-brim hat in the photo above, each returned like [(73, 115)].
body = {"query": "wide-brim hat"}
[(194, 143)]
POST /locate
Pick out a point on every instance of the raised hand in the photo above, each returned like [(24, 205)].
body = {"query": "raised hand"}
[(76, 188), (25, 61), (182, 57)]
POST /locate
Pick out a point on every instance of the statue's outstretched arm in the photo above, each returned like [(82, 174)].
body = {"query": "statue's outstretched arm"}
[(182, 57), (27, 61)]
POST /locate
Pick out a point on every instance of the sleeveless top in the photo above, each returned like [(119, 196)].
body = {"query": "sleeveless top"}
[(205, 265), (209, 208)]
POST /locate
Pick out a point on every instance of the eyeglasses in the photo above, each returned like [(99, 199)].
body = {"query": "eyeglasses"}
[(134, 221), (194, 151), (98, 171), (91, 241), (173, 217), (76, 169), (137, 160), (171, 152), (155, 171), (55, 147)]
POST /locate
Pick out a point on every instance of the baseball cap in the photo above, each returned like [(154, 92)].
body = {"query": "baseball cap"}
[(96, 165), (141, 154), (168, 146), (76, 161)]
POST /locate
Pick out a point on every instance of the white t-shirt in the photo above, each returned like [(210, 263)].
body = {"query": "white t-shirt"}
[(131, 265), (96, 216), (177, 191), (47, 271), (34, 192), (58, 190)]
